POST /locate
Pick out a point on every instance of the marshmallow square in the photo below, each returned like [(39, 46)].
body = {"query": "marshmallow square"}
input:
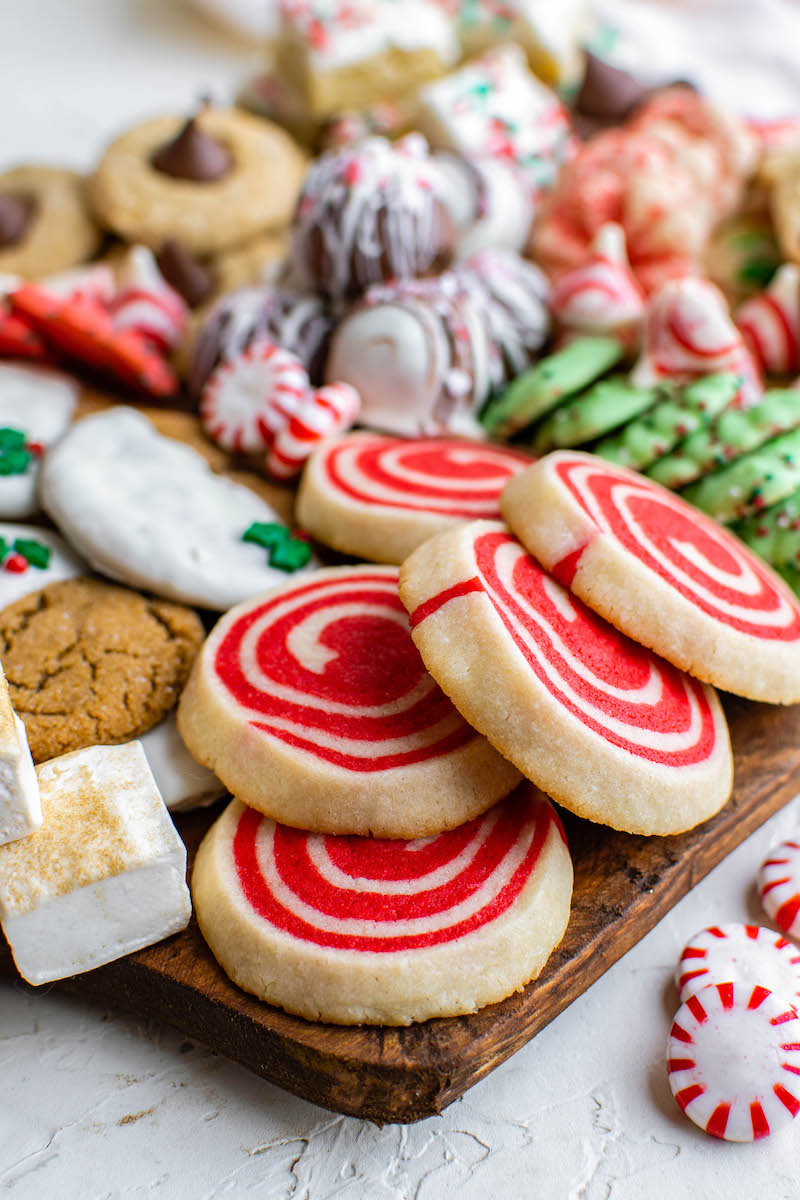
[(106, 873), (20, 808)]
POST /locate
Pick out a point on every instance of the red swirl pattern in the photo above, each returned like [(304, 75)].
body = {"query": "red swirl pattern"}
[(444, 476), (703, 562), (359, 893), (622, 692), (329, 667)]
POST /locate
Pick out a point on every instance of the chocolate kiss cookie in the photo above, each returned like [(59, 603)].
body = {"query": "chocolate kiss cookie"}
[(45, 223)]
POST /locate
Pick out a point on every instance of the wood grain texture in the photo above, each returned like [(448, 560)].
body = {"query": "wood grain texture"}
[(623, 886)]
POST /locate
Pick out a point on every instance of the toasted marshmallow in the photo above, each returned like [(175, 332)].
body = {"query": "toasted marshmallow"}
[(106, 873), (20, 808)]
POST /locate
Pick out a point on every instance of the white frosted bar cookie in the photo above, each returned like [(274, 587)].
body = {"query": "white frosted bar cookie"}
[(20, 809), (106, 873)]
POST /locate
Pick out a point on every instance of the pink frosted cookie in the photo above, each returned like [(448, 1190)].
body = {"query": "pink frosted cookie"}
[(661, 571), (744, 954), (779, 886), (312, 705), (380, 497), (355, 929), (770, 323), (605, 727), (733, 1058), (602, 295), (252, 395)]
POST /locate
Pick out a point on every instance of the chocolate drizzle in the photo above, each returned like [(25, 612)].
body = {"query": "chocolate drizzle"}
[(194, 155), (16, 213), (191, 278)]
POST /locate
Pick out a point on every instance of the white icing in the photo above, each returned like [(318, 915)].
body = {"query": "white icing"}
[(182, 781), (40, 403), (63, 564), (338, 33)]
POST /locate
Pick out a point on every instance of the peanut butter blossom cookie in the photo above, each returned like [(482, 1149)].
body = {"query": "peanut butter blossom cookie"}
[(210, 182), (352, 929), (381, 497), (45, 223), (608, 729), (660, 571), (313, 706)]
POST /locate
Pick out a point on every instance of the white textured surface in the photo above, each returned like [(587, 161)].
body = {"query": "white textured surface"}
[(99, 1106)]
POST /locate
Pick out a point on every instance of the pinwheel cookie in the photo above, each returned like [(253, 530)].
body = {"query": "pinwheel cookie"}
[(387, 932), (312, 705), (660, 571), (604, 726)]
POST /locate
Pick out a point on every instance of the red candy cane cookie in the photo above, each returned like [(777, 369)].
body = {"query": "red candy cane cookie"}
[(746, 954), (315, 707), (779, 886), (661, 571), (249, 397), (733, 1058), (604, 726), (360, 929), (322, 414), (380, 497)]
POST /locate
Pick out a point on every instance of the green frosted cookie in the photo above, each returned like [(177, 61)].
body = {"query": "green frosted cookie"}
[(792, 576), (553, 378), (775, 533), (606, 406), (754, 482), (643, 441), (734, 432)]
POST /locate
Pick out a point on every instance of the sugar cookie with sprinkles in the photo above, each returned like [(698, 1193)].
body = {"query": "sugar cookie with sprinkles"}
[(380, 497), (352, 929), (661, 572), (312, 705), (31, 558), (606, 728)]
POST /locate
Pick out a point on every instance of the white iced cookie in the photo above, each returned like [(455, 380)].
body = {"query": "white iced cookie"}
[(150, 512), (36, 407), (20, 807), (182, 781), (31, 558), (106, 873)]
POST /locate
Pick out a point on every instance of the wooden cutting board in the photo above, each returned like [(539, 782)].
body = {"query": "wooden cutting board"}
[(623, 886)]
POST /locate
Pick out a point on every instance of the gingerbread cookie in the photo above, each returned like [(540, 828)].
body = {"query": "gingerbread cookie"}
[(661, 571), (355, 930), (380, 497), (211, 182), (88, 663), (608, 729), (151, 513), (45, 224), (36, 407), (312, 705)]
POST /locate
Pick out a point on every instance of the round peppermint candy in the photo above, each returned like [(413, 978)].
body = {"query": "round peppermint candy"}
[(661, 571), (380, 497), (357, 929), (607, 728), (744, 954), (779, 886), (733, 1058), (312, 704), (250, 397)]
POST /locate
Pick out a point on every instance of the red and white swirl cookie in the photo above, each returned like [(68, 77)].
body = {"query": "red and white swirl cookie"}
[(312, 705), (352, 929), (661, 571), (380, 497), (607, 728)]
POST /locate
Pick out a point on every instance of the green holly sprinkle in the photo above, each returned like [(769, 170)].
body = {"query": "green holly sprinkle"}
[(36, 554), (286, 552), (14, 458), (11, 439)]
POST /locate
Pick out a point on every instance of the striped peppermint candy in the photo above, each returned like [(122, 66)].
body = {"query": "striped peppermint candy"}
[(745, 954), (324, 413), (146, 303), (779, 886), (733, 1058), (770, 323), (250, 397)]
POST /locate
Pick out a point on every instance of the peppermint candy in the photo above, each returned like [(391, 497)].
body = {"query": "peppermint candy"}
[(744, 954), (779, 886), (733, 1058), (770, 323), (602, 296), (250, 397), (323, 413), (146, 303)]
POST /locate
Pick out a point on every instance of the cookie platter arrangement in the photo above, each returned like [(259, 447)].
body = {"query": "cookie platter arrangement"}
[(392, 468)]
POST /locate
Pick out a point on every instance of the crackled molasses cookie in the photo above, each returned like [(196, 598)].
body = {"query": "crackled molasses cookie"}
[(91, 664), (211, 182), (45, 223)]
